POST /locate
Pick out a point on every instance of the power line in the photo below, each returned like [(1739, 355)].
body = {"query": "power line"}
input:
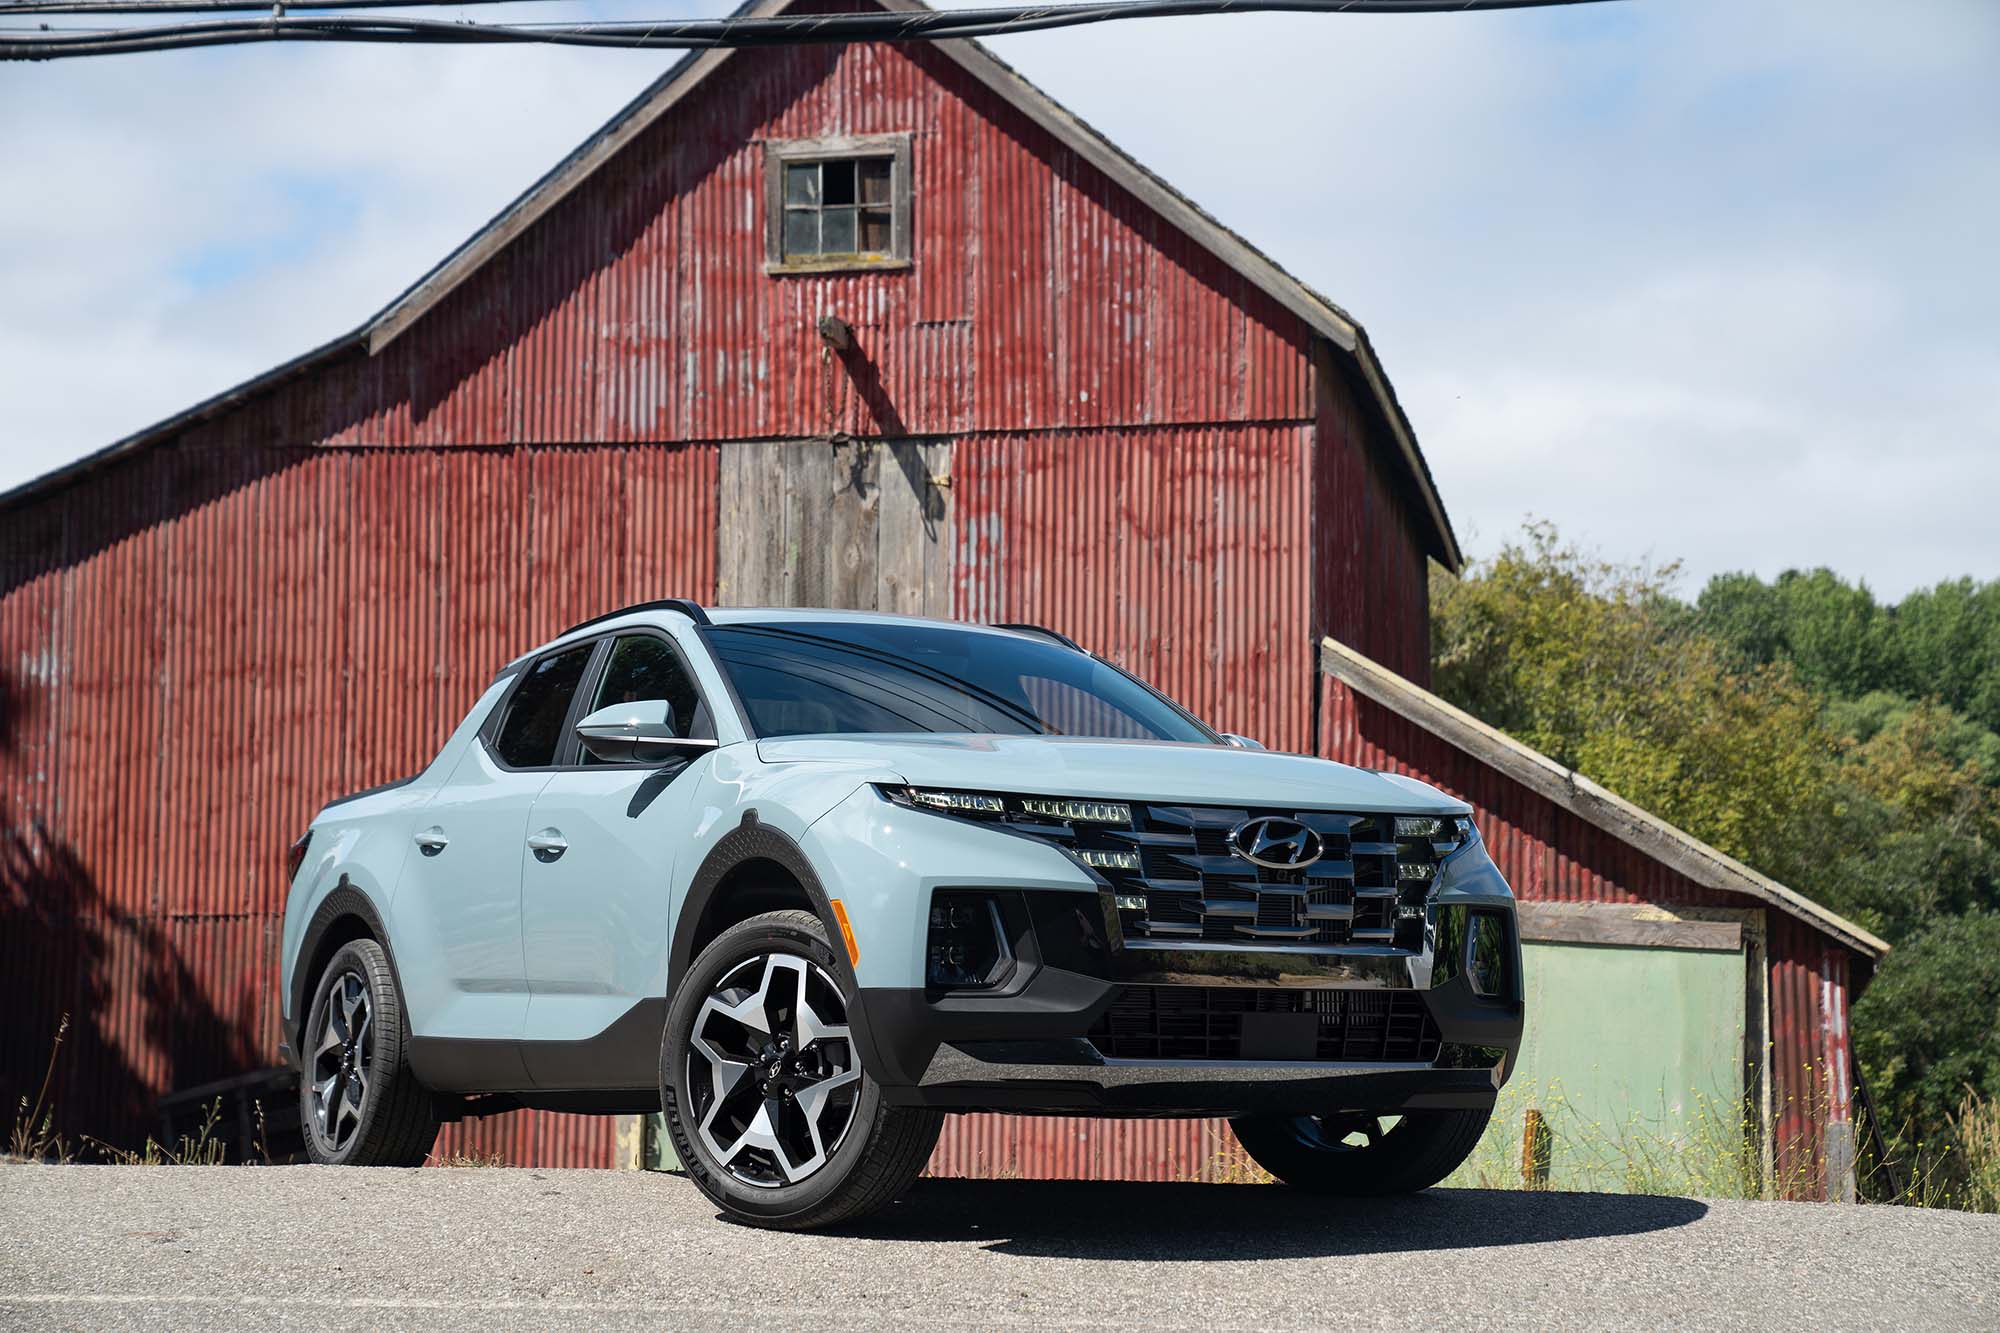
[(665, 34)]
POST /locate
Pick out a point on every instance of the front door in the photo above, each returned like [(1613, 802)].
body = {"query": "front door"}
[(458, 905), (861, 525), (603, 840)]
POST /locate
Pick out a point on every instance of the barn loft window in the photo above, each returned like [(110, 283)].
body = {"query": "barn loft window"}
[(837, 204)]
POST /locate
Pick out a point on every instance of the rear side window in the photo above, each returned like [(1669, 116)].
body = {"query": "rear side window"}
[(645, 666), (533, 728)]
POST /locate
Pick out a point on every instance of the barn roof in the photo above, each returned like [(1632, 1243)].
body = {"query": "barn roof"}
[(1571, 791), (1319, 314)]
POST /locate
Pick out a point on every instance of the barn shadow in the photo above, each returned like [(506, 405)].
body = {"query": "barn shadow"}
[(91, 995), (1155, 1222)]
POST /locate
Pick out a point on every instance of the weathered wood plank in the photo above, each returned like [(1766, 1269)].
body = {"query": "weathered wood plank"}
[(751, 530), (939, 548), (854, 501), (1637, 925)]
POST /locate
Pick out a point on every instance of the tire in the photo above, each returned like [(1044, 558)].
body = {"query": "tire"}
[(353, 1067), (767, 990), (1355, 1154)]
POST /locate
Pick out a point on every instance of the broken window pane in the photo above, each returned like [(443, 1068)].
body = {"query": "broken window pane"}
[(836, 183)]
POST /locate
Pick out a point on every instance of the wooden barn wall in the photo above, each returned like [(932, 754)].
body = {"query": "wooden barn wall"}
[(1550, 855), (205, 644)]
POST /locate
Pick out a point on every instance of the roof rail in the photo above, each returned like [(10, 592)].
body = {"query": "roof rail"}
[(1047, 633), (686, 606)]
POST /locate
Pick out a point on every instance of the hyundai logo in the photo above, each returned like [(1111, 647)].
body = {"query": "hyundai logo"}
[(1275, 843)]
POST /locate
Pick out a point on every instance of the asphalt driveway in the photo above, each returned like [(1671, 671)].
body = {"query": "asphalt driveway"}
[(232, 1247)]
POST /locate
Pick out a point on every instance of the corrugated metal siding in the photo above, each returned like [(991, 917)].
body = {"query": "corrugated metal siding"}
[(529, 1138), (1041, 296), (992, 1147), (1371, 578), (1177, 552), (1550, 855), (203, 646)]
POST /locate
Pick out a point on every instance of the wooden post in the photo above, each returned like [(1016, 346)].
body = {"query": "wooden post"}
[(1535, 1151)]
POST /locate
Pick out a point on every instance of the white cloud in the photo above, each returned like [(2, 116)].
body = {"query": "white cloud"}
[(1705, 279)]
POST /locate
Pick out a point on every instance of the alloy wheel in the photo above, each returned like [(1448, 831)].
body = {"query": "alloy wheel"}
[(342, 1060), (771, 1070)]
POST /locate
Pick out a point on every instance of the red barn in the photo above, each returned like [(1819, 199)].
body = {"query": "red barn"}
[(878, 325)]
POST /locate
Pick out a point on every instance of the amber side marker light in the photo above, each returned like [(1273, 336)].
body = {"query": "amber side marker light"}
[(846, 932)]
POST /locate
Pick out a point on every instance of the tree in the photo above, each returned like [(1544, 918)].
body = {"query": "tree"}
[(1928, 1026), (1590, 663)]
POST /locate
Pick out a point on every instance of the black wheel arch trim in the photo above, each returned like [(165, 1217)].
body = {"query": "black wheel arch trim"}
[(754, 840), (751, 840), (342, 902)]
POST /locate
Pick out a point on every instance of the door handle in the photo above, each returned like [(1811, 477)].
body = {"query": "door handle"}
[(432, 841), (548, 844)]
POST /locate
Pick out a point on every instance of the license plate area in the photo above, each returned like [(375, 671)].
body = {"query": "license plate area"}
[(1280, 1036)]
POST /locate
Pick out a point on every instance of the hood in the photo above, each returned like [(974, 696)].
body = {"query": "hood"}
[(1153, 771)]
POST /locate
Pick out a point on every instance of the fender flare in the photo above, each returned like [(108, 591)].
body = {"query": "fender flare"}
[(344, 900), (750, 840)]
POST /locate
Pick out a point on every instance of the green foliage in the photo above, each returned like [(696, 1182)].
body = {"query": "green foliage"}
[(1846, 748), (1587, 662), (1928, 1027), (1937, 643)]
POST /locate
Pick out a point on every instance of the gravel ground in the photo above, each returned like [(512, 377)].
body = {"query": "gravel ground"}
[(224, 1247)]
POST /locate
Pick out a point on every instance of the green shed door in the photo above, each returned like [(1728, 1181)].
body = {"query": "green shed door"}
[(1634, 1056)]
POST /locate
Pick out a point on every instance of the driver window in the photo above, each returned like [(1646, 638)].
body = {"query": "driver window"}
[(645, 666)]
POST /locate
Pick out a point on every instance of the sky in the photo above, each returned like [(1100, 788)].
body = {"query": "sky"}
[(1701, 280)]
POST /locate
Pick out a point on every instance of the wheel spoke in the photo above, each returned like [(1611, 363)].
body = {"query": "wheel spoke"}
[(810, 1027), (329, 1040), (812, 1105)]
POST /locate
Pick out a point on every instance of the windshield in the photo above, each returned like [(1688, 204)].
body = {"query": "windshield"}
[(805, 678)]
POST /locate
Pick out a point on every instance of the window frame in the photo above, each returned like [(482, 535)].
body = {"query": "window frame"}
[(569, 750), (781, 153)]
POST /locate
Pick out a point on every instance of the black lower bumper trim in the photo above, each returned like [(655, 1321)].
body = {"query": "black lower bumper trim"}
[(1031, 1051)]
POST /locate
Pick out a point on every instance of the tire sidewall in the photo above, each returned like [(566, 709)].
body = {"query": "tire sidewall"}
[(368, 960), (787, 932)]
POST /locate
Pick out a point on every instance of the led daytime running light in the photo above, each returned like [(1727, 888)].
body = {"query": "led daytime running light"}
[(968, 801), (1109, 860), (1084, 812)]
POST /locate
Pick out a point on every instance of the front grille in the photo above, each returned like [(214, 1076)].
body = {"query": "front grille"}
[(1206, 1023), (1190, 886)]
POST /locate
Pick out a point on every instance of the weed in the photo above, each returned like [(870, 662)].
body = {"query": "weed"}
[(34, 1137)]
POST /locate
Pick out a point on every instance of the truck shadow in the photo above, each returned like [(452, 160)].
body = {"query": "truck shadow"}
[(1160, 1222)]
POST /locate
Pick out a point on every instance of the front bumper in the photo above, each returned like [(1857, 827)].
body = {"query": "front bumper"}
[(1042, 1046)]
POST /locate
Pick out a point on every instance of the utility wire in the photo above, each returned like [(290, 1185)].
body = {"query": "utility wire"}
[(675, 34)]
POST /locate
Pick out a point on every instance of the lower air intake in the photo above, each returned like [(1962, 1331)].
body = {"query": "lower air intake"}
[(1266, 1023)]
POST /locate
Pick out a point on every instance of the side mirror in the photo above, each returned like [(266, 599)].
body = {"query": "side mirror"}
[(1241, 742), (639, 732)]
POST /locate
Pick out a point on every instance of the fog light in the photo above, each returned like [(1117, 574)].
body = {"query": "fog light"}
[(967, 948)]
